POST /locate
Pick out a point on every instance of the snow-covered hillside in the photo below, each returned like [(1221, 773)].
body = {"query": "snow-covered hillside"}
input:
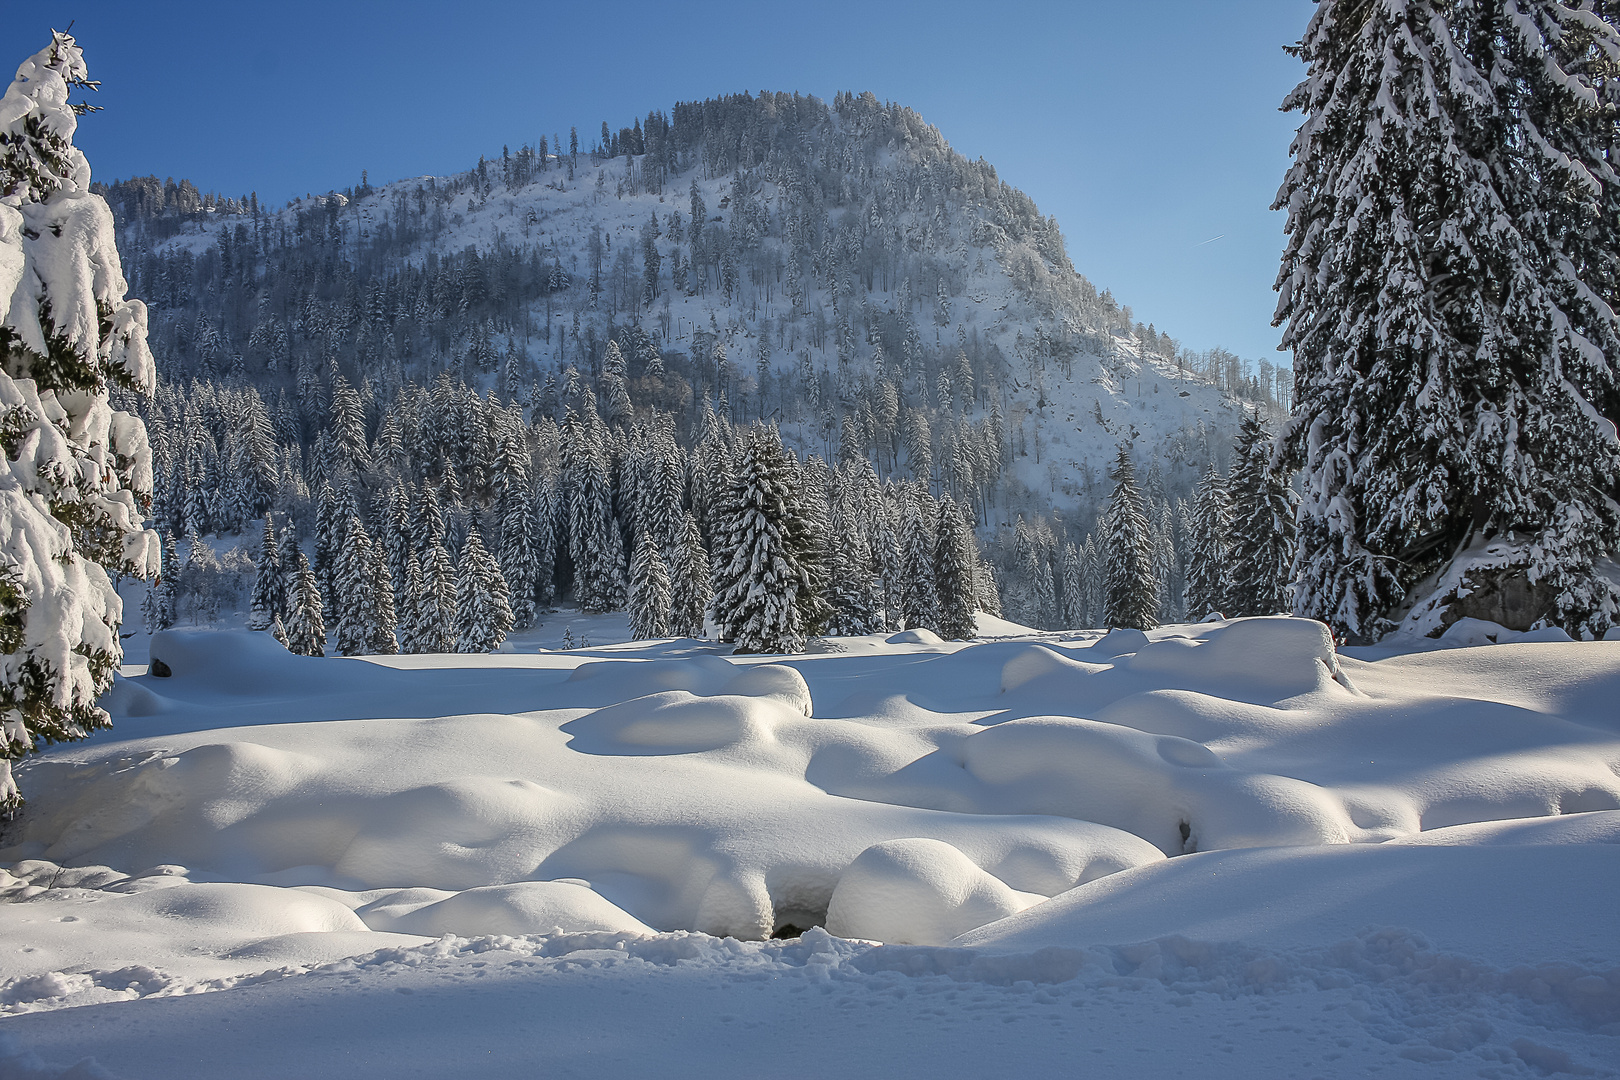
[(1223, 845), (840, 249)]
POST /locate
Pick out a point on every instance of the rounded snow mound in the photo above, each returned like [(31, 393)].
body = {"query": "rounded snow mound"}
[(1275, 656), (1175, 793), (131, 699), (919, 636), (251, 910), (1118, 642), (917, 891), (1032, 662), (773, 681), (524, 907), (637, 678), (676, 722)]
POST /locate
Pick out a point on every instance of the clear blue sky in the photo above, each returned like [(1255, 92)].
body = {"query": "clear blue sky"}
[(1145, 128)]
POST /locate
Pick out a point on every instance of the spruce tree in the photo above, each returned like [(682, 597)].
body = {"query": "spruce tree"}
[(852, 589), (763, 596), (954, 556), (383, 640), (595, 544), (1262, 527), (518, 554), (1132, 594), (690, 586), (76, 477), (1209, 562), (649, 592), (483, 617), (354, 591), (1074, 588), (434, 630), (306, 629), (408, 612), (266, 602), (1441, 286), (922, 602)]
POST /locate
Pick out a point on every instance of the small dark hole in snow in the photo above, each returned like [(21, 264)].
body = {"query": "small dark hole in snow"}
[(787, 930), (159, 669), (1187, 846)]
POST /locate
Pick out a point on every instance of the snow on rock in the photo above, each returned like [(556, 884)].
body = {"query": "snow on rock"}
[(918, 892)]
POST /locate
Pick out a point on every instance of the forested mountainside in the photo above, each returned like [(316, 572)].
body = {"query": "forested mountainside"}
[(896, 310)]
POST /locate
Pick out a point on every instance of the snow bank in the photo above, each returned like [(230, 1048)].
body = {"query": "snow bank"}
[(1017, 796), (1499, 905)]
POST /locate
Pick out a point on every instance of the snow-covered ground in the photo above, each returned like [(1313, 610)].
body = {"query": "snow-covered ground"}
[(1221, 849)]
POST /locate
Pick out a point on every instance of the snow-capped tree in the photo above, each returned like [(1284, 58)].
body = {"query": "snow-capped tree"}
[(483, 615), (1443, 292), (1209, 566), (763, 596), (649, 592), (266, 603), (433, 629), (595, 544), (1132, 593), (306, 628), (690, 584), (1261, 554), (76, 478), (354, 591), (922, 601), (954, 556)]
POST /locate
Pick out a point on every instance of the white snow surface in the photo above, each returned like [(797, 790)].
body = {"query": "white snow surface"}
[(1221, 849)]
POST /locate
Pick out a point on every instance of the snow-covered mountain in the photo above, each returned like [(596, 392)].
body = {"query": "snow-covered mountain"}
[(851, 277)]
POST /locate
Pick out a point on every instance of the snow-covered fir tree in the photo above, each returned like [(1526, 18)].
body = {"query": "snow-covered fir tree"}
[(483, 615), (384, 641), (690, 582), (921, 597), (354, 592), (433, 626), (1445, 307), (306, 626), (955, 553), (1132, 593), (1075, 608), (763, 598), (1209, 563), (1261, 552), (650, 595), (595, 543), (267, 602), (77, 473)]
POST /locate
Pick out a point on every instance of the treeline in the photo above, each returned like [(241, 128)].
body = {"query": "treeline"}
[(457, 517)]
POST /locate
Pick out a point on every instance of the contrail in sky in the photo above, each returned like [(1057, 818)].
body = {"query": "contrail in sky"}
[(1211, 240)]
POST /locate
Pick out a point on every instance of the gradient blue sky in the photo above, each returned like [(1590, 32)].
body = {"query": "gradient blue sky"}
[(1145, 128)]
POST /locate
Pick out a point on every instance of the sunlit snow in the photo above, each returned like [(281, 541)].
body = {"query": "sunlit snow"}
[(1279, 853)]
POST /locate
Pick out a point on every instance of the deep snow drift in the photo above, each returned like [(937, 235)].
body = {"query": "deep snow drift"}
[(1199, 827)]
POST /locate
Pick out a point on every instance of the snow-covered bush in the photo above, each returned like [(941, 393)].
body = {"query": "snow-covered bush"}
[(77, 474)]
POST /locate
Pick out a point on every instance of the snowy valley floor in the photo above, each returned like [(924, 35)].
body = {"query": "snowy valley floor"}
[(1216, 850)]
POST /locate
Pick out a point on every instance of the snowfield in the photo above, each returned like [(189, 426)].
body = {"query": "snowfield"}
[(1222, 849)]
